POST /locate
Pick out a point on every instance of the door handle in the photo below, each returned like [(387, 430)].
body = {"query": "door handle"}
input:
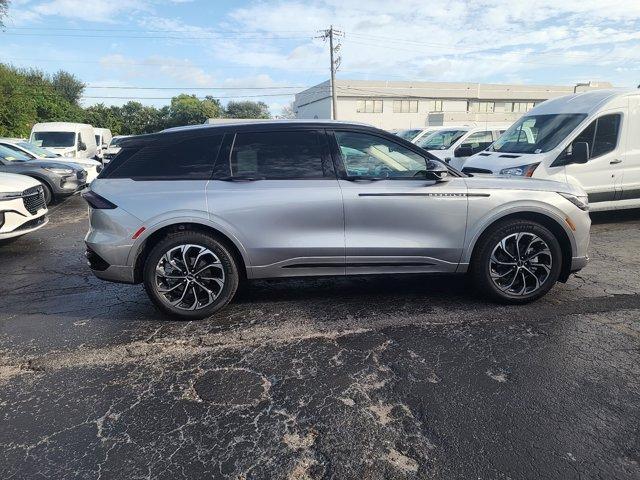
[(615, 162)]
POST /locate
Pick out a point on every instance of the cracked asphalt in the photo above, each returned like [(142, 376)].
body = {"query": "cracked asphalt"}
[(364, 378)]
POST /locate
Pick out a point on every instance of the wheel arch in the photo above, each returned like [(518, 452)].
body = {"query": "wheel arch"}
[(157, 235), (543, 219)]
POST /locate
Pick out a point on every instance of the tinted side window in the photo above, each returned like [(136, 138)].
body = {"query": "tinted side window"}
[(169, 158), (365, 155), (279, 155), (606, 138), (586, 136)]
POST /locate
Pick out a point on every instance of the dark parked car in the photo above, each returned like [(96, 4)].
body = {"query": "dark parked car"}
[(57, 179)]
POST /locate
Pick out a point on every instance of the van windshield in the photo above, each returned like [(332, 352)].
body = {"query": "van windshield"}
[(537, 133), (440, 140), (54, 139)]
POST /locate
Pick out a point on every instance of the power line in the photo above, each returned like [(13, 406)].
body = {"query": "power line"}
[(154, 37)]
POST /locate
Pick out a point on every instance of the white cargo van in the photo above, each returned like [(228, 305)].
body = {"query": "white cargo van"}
[(70, 140), (103, 138), (589, 139), (456, 144)]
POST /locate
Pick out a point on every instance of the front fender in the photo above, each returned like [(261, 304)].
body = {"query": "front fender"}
[(481, 217)]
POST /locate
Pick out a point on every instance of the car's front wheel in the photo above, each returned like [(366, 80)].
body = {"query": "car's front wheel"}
[(519, 261), (190, 275)]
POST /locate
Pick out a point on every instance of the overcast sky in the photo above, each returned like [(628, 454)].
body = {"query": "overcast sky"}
[(269, 47)]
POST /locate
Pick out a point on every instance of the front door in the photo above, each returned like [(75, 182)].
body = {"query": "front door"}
[(277, 192), (598, 175), (396, 219)]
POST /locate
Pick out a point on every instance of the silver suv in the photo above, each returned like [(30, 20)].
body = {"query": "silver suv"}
[(190, 212)]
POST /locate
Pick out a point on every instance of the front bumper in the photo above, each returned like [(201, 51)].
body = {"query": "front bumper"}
[(27, 227), (578, 263), (70, 184)]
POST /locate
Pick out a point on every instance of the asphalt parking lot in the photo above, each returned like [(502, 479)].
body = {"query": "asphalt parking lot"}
[(404, 377)]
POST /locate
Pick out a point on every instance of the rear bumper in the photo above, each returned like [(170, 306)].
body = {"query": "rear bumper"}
[(104, 271)]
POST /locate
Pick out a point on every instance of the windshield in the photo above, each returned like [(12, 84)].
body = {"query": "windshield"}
[(537, 133), (408, 134), (440, 140), (37, 151), (116, 141), (11, 155), (54, 139)]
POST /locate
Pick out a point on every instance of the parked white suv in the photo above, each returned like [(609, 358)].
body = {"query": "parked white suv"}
[(22, 205), (455, 145)]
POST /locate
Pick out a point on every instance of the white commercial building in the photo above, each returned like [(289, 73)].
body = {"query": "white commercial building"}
[(397, 105)]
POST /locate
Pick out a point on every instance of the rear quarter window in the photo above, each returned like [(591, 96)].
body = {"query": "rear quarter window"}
[(190, 158)]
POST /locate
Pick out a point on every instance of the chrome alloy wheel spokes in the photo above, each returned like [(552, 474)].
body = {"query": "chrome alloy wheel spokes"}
[(520, 263), (189, 277)]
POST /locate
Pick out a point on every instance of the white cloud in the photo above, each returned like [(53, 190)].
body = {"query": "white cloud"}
[(88, 10)]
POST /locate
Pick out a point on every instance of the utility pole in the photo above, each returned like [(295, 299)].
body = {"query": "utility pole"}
[(330, 33)]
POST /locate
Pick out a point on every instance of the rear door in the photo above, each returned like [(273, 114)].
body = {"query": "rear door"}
[(598, 175), (395, 219), (277, 191)]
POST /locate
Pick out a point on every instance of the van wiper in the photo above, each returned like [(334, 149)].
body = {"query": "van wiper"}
[(240, 178)]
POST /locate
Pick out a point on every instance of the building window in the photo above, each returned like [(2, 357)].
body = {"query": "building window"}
[(434, 106), (369, 106), (518, 107), (405, 106), (483, 107)]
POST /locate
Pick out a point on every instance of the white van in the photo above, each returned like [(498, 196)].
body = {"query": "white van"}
[(103, 138), (70, 140), (589, 139), (456, 144)]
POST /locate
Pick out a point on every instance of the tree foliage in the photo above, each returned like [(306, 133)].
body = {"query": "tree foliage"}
[(247, 109), (4, 6), (31, 96)]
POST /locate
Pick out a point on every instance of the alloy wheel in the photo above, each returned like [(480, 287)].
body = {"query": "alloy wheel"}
[(189, 277), (520, 263)]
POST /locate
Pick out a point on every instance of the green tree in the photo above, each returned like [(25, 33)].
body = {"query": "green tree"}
[(67, 85), (138, 119), (247, 109), (103, 116), (17, 111), (190, 110)]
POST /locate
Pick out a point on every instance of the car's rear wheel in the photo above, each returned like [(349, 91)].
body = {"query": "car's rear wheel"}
[(190, 275), (519, 261)]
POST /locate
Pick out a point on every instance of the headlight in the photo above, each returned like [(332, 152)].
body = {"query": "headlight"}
[(580, 201), (10, 195), (70, 154), (521, 171), (59, 171)]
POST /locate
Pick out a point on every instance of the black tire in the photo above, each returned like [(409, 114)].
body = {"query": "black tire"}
[(227, 260), (481, 269)]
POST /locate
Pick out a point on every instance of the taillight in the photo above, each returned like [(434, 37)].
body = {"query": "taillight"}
[(96, 201)]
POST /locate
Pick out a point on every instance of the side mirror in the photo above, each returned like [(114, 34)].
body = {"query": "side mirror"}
[(463, 151), (579, 153), (82, 146), (436, 171)]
